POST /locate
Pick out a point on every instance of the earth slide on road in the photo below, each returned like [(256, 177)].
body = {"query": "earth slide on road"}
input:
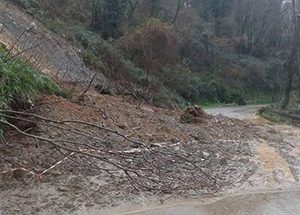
[(276, 201)]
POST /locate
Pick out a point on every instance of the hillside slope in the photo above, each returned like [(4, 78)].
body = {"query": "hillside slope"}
[(90, 152), (50, 53), (201, 58)]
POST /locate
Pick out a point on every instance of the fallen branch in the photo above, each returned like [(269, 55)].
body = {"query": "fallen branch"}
[(89, 86), (164, 168)]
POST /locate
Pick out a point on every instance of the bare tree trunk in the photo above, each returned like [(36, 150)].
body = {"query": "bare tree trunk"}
[(177, 11), (133, 7), (292, 62), (94, 14)]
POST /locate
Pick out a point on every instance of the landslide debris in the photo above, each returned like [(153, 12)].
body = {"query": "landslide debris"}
[(172, 158)]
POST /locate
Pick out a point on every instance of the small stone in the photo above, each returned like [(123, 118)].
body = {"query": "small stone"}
[(62, 189), (68, 206), (206, 154), (89, 204)]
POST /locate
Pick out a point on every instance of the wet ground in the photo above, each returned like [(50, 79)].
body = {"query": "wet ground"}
[(272, 189), (239, 112), (253, 204), (279, 173)]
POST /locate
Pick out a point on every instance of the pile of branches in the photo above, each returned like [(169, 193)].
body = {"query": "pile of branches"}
[(161, 168)]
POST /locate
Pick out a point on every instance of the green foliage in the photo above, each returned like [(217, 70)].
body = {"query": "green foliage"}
[(55, 25), (111, 18), (219, 8), (19, 83), (228, 95), (85, 38), (151, 46), (216, 52), (156, 7), (93, 61), (27, 4)]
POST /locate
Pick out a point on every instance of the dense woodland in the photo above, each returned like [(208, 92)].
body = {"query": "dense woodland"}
[(183, 51)]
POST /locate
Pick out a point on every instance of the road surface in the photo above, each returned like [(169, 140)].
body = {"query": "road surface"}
[(260, 203), (252, 204), (239, 112)]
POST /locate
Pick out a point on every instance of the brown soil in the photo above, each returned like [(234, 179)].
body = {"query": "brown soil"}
[(236, 152), (223, 144)]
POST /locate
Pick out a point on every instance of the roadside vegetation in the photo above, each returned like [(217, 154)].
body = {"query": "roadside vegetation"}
[(20, 84), (178, 51), (109, 143)]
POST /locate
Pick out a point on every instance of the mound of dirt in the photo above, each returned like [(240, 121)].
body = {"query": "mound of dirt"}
[(217, 148), (193, 115)]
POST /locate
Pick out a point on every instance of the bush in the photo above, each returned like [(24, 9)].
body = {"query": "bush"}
[(27, 4), (227, 95), (152, 46), (19, 83), (185, 84)]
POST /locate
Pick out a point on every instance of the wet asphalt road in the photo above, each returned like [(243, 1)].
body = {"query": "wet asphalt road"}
[(239, 112)]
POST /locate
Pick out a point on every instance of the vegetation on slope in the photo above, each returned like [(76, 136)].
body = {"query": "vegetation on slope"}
[(224, 51), (20, 84)]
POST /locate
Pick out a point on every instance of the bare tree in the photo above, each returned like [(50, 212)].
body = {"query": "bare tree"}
[(133, 6), (255, 20), (179, 6), (291, 64)]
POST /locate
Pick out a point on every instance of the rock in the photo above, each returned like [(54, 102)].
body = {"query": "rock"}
[(206, 154), (77, 182), (89, 204), (223, 161)]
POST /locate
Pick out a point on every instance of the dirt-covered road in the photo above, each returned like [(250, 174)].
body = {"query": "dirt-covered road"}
[(257, 162), (274, 190), (284, 197)]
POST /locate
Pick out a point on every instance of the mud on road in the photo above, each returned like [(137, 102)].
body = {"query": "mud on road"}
[(214, 144), (271, 152), (286, 203)]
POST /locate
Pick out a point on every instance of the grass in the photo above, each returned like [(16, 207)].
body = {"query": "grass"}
[(20, 84)]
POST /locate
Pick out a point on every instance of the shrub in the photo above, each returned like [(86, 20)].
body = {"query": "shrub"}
[(152, 46), (19, 83)]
